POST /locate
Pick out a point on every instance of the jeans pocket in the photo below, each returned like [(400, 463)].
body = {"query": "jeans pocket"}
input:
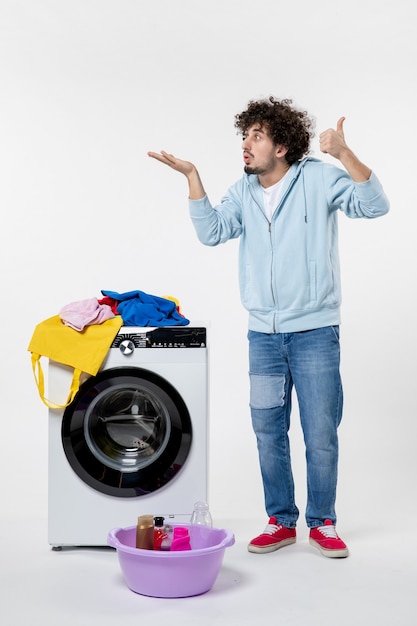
[(336, 331), (267, 390)]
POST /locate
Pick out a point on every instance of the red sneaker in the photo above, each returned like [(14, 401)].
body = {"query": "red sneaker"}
[(326, 539), (274, 536)]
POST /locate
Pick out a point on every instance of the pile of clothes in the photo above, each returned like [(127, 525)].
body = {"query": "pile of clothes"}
[(136, 308)]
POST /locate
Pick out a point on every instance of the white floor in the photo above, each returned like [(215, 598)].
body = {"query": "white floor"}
[(293, 586)]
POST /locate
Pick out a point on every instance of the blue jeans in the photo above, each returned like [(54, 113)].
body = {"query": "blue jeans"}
[(309, 361)]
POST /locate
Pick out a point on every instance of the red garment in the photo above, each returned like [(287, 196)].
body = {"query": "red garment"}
[(111, 302)]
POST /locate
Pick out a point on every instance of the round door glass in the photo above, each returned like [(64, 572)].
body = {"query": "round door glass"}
[(127, 432)]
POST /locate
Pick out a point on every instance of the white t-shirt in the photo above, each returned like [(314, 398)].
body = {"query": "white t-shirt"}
[(273, 195)]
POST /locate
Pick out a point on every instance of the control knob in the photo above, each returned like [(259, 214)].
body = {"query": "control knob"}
[(127, 347)]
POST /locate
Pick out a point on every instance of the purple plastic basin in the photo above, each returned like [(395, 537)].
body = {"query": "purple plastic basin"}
[(172, 574)]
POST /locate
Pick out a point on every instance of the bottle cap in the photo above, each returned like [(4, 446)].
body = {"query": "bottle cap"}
[(201, 505), (145, 521)]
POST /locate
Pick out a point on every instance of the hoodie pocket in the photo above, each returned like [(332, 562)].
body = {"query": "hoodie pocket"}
[(313, 281)]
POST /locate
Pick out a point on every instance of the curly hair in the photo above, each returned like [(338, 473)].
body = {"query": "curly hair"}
[(285, 125)]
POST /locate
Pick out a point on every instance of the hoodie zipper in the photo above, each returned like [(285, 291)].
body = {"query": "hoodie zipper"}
[(270, 240), (270, 230)]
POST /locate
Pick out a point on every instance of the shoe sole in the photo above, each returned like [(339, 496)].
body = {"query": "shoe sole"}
[(332, 554), (272, 547)]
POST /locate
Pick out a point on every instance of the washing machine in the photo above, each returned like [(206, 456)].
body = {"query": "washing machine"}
[(134, 440)]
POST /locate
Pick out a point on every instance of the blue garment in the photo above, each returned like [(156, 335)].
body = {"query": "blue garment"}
[(289, 267), (138, 308), (310, 362)]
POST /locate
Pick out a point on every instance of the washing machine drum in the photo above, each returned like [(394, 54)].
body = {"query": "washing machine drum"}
[(127, 433)]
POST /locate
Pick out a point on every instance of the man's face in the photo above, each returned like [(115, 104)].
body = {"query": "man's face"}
[(259, 152)]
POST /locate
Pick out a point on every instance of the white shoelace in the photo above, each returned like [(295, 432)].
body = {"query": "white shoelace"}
[(328, 531), (271, 529)]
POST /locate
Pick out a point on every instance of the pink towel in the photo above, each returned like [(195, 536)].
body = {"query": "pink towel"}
[(83, 313)]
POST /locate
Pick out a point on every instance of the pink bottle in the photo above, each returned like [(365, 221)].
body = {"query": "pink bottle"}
[(181, 539)]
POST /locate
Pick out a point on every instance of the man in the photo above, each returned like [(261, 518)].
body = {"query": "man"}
[(284, 209)]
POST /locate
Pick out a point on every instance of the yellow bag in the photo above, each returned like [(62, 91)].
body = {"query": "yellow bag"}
[(85, 351)]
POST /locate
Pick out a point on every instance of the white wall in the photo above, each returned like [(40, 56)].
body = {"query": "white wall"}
[(87, 88)]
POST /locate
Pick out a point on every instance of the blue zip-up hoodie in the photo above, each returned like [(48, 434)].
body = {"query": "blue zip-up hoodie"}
[(289, 268)]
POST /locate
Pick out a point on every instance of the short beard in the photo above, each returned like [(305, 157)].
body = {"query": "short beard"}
[(253, 170), (259, 170)]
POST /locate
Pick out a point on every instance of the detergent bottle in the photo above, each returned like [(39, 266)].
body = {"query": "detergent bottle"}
[(181, 539)]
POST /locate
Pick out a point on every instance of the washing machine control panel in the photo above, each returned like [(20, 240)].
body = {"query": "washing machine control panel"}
[(164, 337)]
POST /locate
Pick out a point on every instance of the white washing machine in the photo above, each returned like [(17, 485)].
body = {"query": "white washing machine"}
[(135, 439)]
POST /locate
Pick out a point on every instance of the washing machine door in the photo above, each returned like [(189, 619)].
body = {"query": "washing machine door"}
[(127, 433)]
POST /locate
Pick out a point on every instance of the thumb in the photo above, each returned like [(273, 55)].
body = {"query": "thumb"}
[(339, 126)]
